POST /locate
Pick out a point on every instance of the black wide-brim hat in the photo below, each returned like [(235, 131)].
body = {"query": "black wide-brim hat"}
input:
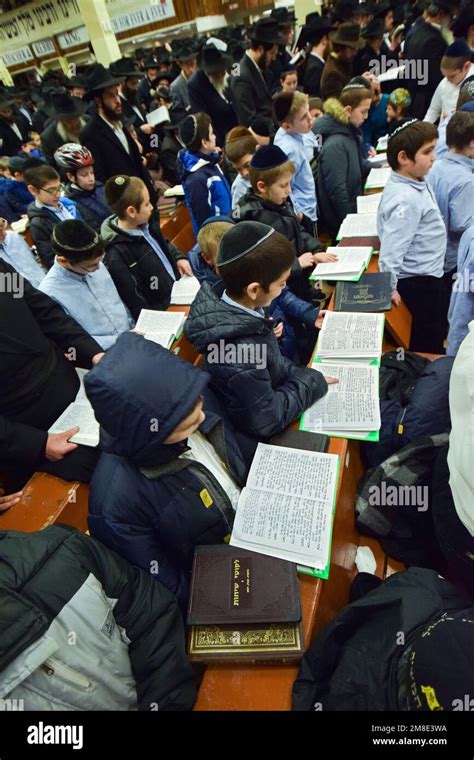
[(213, 60), (125, 67), (76, 81), (375, 28), (99, 78), (349, 35), (185, 51), (65, 106), (168, 75), (266, 30), (177, 115), (283, 17)]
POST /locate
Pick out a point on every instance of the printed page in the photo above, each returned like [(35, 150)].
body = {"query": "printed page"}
[(347, 333), (378, 177), (359, 225), (379, 159), (350, 404), (391, 73), (350, 260), (368, 204), (185, 290), (157, 323), (79, 414), (158, 116), (286, 509)]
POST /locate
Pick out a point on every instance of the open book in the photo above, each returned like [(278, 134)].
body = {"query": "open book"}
[(158, 116), (368, 204), (350, 337), (79, 414), (377, 178), (378, 160), (185, 290), (350, 408), (286, 508), (351, 263), (358, 225), (171, 192), (162, 327), (393, 72), (382, 144)]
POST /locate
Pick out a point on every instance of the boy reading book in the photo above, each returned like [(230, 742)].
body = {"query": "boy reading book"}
[(206, 190), (262, 391), (413, 234), (79, 281), (240, 146), (398, 103), (171, 465), (77, 163), (456, 67), (142, 263)]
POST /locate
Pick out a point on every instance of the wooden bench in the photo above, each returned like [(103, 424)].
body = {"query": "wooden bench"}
[(172, 224), (185, 239)]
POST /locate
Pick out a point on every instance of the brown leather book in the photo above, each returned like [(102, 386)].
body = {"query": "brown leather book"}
[(277, 642)]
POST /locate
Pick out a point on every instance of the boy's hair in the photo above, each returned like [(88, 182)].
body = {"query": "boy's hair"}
[(203, 126), (316, 103), (466, 94), (265, 264), (287, 104), (4, 163), (449, 63), (122, 191), (460, 130), (410, 139), (38, 175), (212, 234), (239, 143), (353, 96), (286, 72), (269, 176)]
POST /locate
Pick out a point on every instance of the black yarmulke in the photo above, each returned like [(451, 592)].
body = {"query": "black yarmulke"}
[(268, 157), (115, 188), (260, 126), (188, 129), (241, 240), (74, 235), (282, 105)]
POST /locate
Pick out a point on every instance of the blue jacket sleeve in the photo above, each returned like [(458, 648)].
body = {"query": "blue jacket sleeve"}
[(295, 307)]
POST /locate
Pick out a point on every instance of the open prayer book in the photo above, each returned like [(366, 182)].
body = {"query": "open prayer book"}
[(158, 116), (368, 204), (377, 178), (382, 144), (79, 414), (185, 290), (286, 508), (358, 225), (378, 160), (351, 263), (162, 327), (172, 191), (350, 337)]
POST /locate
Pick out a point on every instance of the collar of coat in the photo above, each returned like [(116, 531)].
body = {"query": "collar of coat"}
[(334, 108)]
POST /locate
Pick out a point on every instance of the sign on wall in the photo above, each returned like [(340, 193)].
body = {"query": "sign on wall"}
[(44, 47), (21, 55), (74, 37), (150, 14)]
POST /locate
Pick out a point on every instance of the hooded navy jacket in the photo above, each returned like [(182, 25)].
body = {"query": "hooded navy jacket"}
[(145, 502), (206, 190), (261, 397)]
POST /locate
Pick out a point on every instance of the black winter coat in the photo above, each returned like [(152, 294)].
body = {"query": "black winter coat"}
[(262, 391), (312, 76), (204, 98), (425, 47), (251, 93), (10, 143)]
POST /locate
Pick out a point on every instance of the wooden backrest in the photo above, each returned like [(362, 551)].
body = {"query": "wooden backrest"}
[(171, 225), (185, 239)]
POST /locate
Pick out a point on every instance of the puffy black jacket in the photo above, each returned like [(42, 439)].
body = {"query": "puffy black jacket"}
[(139, 276), (262, 391), (128, 651), (92, 205), (342, 167), (42, 223)]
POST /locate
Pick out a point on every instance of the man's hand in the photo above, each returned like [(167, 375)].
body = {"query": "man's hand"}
[(396, 298), (184, 267), (320, 318), (58, 446), (9, 501), (323, 256), (306, 260), (331, 380), (147, 129), (278, 330), (96, 359), (299, 216), (372, 152)]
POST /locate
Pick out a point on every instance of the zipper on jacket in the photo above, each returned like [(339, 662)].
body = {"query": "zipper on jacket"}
[(53, 666), (219, 496)]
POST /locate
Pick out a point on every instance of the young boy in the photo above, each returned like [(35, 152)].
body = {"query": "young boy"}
[(81, 284), (295, 319), (19, 255), (206, 189), (268, 201), (461, 307), (398, 103), (316, 107), (456, 67), (291, 111), (413, 234), (47, 209), (240, 146), (262, 391), (77, 163), (288, 80), (142, 263), (17, 194), (452, 182)]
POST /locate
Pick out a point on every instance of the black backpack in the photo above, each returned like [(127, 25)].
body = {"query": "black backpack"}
[(398, 376)]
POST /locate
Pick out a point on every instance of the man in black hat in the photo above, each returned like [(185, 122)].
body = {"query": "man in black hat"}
[(13, 132), (171, 146), (251, 85), (208, 91), (338, 71), (112, 146), (69, 117), (186, 57), (423, 51), (286, 22), (150, 66), (316, 34), (128, 92), (369, 58), (76, 86)]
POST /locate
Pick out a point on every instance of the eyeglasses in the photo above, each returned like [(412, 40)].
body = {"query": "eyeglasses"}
[(53, 190)]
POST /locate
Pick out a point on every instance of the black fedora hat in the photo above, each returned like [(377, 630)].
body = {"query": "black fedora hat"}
[(65, 106), (177, 115), (186, 50), (374, 28), (283, 17), (315, 26), (99, 78), (168, 75), (125, 67), (5, 101), (347, 34), (150, 62), (266, 30), (212, 60), (76, 81)]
